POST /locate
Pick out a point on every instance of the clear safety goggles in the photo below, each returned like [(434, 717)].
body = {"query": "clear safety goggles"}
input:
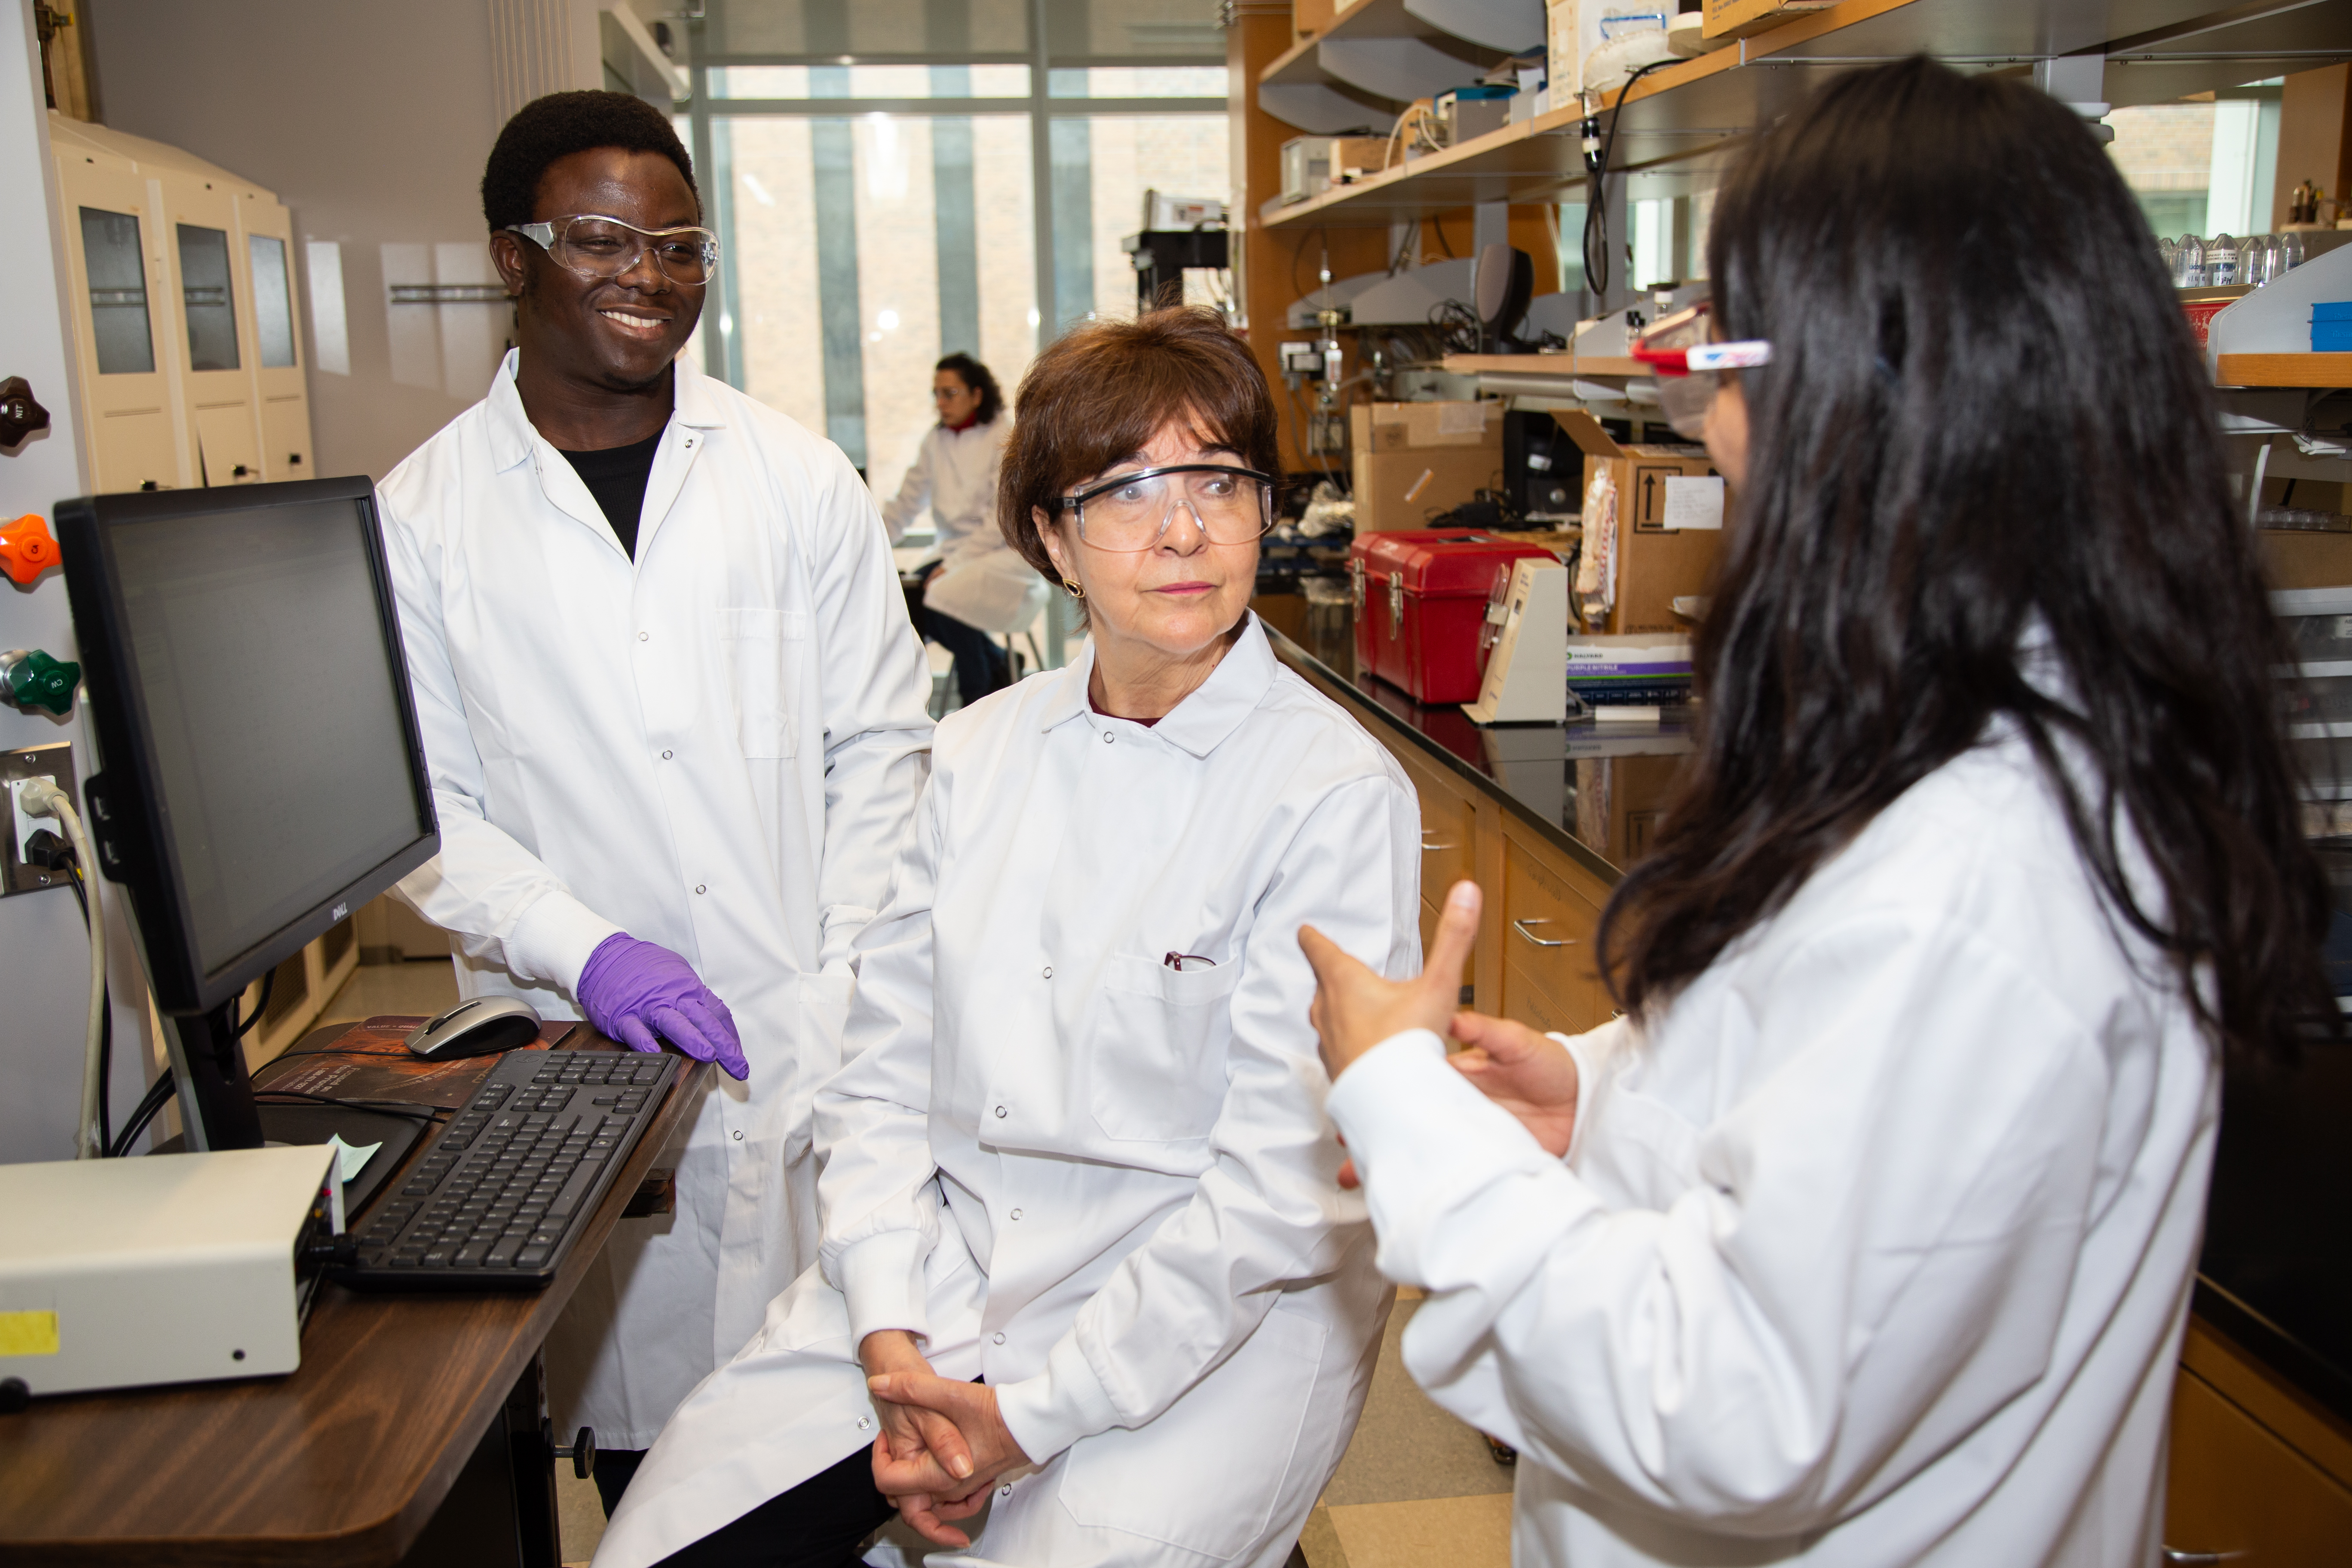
[(1688, 366), (597, 247), (1131, 511)]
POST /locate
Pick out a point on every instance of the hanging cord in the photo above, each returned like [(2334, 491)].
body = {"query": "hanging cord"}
[(39, 797), (1596, 204), (106, 1020)]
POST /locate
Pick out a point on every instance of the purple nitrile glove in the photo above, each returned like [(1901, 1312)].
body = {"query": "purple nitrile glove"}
[(634, 990)]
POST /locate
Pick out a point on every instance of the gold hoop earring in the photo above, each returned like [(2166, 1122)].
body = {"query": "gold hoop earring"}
[(1071, 589)]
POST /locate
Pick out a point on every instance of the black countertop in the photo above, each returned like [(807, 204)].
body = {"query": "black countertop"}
[(1591, 790), (2277, 1272)]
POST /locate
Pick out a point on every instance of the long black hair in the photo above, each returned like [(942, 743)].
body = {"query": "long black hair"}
[(976, 378), (1983, 423)]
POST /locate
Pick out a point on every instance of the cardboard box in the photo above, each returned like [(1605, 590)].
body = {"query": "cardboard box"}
[(1666, 546), (1414, 460), (2304, 558), (1742, 18)]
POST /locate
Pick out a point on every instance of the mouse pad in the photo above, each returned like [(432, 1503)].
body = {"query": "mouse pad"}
[(369, 1061)]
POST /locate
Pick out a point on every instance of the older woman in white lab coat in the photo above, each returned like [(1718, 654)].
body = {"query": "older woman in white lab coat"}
[(1866, 1238), (1081, 1155)]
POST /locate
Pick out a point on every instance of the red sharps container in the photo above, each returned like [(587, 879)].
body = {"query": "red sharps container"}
[(1419, 598)]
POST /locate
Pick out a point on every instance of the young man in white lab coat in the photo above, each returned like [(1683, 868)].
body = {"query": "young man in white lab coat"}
[(674, 714)]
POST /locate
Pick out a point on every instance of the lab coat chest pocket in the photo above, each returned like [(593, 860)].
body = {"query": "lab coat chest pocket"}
[(1156, 1055), (760, 646), (1232, 1437)]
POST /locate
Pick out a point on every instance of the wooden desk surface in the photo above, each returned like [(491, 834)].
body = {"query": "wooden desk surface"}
[(341, 1461)]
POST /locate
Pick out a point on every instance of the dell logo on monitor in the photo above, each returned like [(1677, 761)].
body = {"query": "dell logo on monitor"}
[(340, 912)]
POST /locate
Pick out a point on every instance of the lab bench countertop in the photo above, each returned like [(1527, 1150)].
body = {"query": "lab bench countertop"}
[(2276, 1271)]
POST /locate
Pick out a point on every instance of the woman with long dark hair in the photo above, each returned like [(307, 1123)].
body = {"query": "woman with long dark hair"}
[(1865, 1235)]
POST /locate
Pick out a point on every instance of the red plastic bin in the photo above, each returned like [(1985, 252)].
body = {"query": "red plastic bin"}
[(1420, 597)]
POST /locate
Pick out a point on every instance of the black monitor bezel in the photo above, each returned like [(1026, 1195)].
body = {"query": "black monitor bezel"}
[(125, 816)]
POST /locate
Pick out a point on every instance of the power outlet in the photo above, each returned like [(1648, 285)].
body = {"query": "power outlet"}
[(55, 763)]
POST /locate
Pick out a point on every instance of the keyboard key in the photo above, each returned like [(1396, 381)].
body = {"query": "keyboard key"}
[(407, 1259), (503, 1251), (417, 1189), (648, 1072), (534, 1256), (470, 1256), (438, 1257)]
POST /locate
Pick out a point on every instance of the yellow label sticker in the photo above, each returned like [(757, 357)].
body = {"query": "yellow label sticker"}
[(28, 1333)]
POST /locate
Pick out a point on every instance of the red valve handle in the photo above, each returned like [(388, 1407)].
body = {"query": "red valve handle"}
[(26, 550)]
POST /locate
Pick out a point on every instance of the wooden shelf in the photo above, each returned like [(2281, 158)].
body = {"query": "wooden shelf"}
[(1689, 115), (2304, 370), (1567, 367)]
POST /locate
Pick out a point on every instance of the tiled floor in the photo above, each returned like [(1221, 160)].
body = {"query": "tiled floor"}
[(1417, 1488)]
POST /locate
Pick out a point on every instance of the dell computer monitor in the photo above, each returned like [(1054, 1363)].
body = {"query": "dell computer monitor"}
[(260, 770)]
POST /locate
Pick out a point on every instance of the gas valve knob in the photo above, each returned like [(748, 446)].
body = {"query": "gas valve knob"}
[(19, 415), (36, 680), (27, 548)]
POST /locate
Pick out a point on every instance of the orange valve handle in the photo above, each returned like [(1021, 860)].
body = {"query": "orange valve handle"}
[(26, 550)]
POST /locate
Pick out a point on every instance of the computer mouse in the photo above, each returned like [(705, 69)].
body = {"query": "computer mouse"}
[(475, 1028)]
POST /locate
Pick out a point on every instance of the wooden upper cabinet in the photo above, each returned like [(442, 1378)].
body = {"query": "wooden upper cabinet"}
[(2260, 1474)]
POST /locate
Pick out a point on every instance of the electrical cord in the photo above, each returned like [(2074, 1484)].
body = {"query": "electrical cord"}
[(1596, 202), (413, 1110), (151, 1104), (260, 1005), (106, 1021), (39, 797)]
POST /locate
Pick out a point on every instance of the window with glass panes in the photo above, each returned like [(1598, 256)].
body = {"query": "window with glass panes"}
[(898, 180)]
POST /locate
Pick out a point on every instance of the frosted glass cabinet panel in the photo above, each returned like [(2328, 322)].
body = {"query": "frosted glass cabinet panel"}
[(118, 293), (209, 298), (273, 301)]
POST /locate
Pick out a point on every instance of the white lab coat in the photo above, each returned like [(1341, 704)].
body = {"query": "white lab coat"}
[(1875, 1250), (717, 748), (1104, 1186), (983, 581), (954, 474)]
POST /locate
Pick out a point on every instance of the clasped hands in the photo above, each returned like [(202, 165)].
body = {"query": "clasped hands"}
[(1527, 1073), (942, 1443)]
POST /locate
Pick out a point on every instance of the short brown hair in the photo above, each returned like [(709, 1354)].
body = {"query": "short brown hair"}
[(1100, 391)]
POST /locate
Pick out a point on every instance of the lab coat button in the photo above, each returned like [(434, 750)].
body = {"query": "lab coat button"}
[(1106, 737), (1005, 1491), (701, 887), (1017, 1214), (865, 1422), (665, 756), (644, 636), (999, 1111), (1000, 1339), (1049, 971), (739, 1137)]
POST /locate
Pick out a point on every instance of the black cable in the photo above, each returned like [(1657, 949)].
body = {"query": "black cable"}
[(1596, 193), (259, 1006), (413, 1110), (158, 1095)]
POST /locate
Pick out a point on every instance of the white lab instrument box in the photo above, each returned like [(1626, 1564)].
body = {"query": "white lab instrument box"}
[(155, 1270)]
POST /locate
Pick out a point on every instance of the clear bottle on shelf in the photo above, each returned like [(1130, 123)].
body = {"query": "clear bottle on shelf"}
[(2290, 251), (2222, 263), (2188, 263)]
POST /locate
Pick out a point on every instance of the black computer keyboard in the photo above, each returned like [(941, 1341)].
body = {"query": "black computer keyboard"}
[(496, 1197)]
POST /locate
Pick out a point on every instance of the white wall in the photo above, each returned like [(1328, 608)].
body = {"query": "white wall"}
[(371, 121), (44, 952)]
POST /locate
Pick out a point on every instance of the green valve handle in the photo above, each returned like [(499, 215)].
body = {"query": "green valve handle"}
[(35, 679)]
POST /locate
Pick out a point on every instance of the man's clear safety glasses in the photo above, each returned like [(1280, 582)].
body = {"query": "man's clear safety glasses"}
[(596, 246)]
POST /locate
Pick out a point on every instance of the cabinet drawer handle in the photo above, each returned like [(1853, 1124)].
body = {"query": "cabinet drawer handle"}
[(1429, 849), (2173, 1555), (1521, 927)]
